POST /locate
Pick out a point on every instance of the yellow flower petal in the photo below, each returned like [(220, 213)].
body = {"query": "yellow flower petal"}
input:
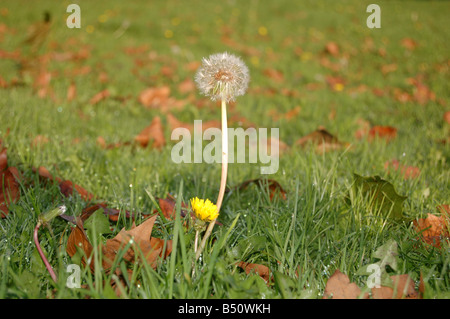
[(204, 209)]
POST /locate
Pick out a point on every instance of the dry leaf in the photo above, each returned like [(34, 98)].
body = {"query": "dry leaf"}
[(100, 96), (339, 287), (261, 270), (403, 289), (78, 240), (323, 141), (9, 184), (71, 92), (275, 189), (273, 74), (385, 132), (154, 132), (434, 229), (140, 239), (408, 172), (332, 48)]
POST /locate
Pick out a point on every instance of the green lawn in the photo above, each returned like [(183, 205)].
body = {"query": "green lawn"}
[(394, 76)]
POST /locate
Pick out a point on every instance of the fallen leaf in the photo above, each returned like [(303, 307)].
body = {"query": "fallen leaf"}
[(261, 270), (332, 48), (403, 288), (71, 92), (154, 132), (78, 241), (447, 117), (380, 194), (273, 74), (187, 86), (275, 189), (323, 141), (100, 96), (154, 97), (408, 172), (339, 287), (67, 187), (9, 183), (39, 141), (433, 229), (387, 133), (140, 239), (409, 43)]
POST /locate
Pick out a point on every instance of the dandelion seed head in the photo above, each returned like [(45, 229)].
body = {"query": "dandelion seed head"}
[(222, 76)]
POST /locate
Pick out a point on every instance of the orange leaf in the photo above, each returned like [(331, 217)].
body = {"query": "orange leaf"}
[(71, 92), (275, 75), (100, 96), (339, 287), (386, 132), (154, 132), (408, 172), (323, 140), (261, 270), (403, 288), (274, 187), (332, 48), (433, 229), (140, 239), (78, 240), (9, 184), (67, 188)]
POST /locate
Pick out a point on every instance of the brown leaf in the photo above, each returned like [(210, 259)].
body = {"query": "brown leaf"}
[(408, 172), (332, 48), (71, 92), (339, 287), (39, 141), (154, 132), (447, 117), (403, 289), (78, 240), (323, 141), (100, 96), (9, 184), (154, 97), (385, 132), (434, 229), (409, 43), (140, 239), (261, 270), (363, 128), (187, 86), (275, 188), (273, 74), (67, 187)]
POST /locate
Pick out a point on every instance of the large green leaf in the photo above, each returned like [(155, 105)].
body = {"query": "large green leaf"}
[(380, 194)]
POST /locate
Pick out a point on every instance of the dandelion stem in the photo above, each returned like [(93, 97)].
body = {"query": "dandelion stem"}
[(41, 253), (223, 178)]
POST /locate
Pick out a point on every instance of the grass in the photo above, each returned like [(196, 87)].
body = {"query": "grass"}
[(302, 239)]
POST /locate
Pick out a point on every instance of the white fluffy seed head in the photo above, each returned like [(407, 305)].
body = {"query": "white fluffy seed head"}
[(222, 76)]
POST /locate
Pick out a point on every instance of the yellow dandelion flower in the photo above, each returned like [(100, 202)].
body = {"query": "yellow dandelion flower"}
[(204, 209)]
